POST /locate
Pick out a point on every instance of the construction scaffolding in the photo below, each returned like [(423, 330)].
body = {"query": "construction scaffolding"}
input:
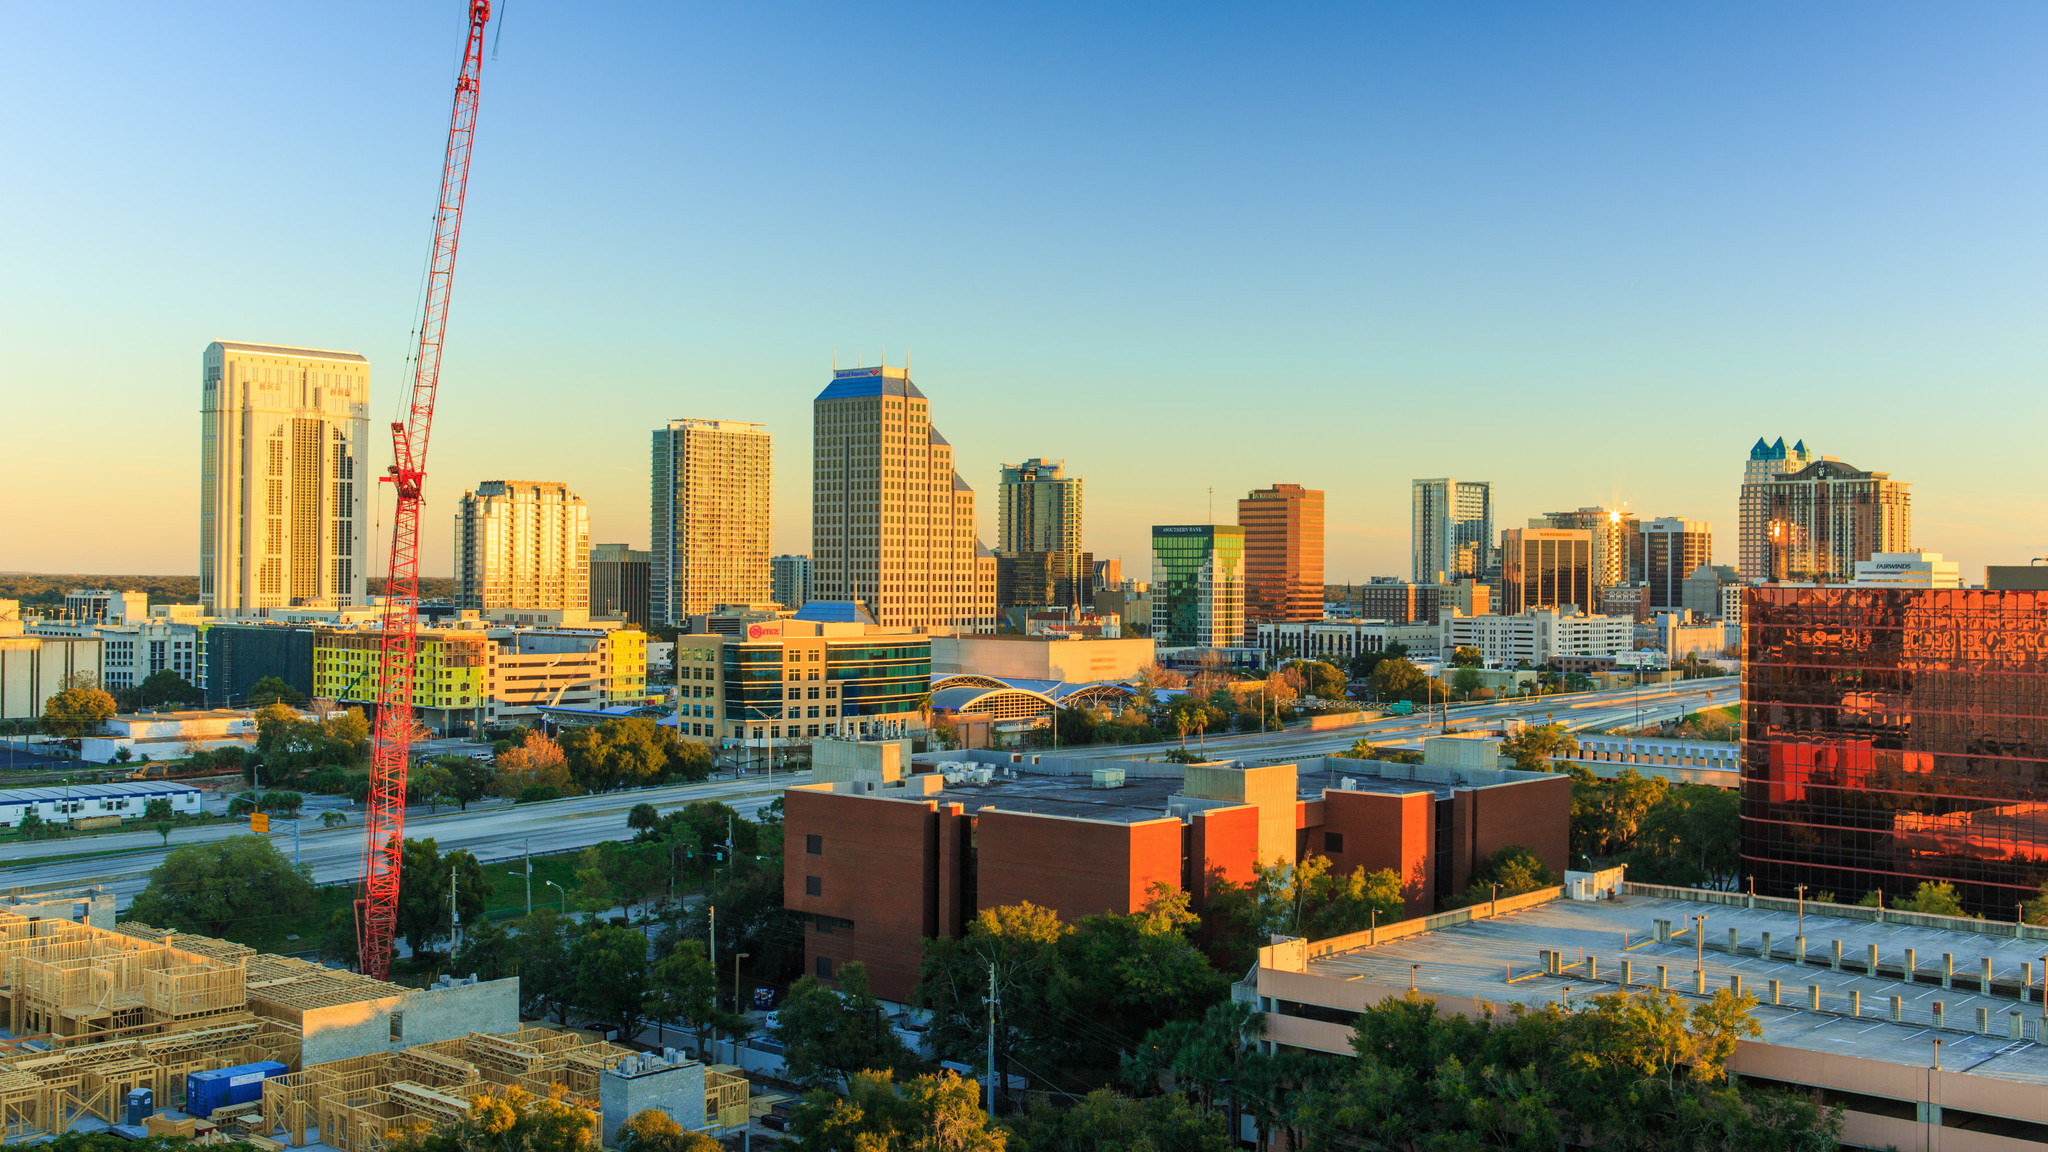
[(91, 1014)]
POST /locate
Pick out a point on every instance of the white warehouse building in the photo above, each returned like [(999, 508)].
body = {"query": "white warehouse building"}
[(63, 804)]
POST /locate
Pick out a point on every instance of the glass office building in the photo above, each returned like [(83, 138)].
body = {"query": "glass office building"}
[(1197, 585), (801, 686), (1894, 736)]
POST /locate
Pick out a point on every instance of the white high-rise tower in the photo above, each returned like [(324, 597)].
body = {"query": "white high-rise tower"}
[(283, 488)]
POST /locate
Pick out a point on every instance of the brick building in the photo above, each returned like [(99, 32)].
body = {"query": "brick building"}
[(875, 867)]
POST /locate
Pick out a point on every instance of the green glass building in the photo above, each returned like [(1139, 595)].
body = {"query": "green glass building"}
[(1197, 585)]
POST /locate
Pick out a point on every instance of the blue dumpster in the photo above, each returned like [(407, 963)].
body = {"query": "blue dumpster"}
[(205, 1091)]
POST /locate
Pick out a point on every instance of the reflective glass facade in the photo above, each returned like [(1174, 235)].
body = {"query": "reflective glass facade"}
[(804, 686), (1197, 585), (1895, 736)]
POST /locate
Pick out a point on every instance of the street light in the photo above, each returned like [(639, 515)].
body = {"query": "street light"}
[(563, 891), (1801, 889), (737, 1009), (1411, 977), (1699, 942)]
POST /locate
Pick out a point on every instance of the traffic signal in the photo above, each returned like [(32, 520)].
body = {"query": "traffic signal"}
[(258, 822)]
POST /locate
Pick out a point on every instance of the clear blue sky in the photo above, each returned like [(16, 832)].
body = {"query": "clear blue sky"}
[(1589, 252)]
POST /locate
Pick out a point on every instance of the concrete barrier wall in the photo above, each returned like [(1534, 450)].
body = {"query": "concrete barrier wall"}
[(1320, 721), (2005, 928)]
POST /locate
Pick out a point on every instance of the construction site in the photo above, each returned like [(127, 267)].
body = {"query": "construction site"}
[(95, 1016)]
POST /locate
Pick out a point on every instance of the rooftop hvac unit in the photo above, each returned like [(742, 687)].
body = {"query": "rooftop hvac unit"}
[(1109, 777), (1348, 783)]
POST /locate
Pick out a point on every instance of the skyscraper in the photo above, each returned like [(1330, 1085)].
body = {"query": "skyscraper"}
[(522, 544), (892, 523), (618, 583), (1198, 585), (1039, 561), (1617, 542), (1546, 568), (1452, 530), (1283, 555), (1766, 462), (711, 514), (1672, 547), (283, 513), (1038, 508), (1822, 519), (789, 580)]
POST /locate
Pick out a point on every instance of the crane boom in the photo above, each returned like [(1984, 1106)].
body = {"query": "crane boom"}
[(384, 828)]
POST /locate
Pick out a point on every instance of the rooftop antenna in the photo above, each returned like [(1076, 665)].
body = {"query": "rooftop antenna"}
[(1212, 505)]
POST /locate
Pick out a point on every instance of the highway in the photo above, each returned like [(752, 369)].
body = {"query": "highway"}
[(492, 831), (1579, 712), (500, 831)]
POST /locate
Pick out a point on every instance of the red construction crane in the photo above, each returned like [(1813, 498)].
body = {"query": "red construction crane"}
[(377, 911)]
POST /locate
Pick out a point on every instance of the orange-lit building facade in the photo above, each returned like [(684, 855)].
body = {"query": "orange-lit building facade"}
[(875, 871), (1894, 736), (1283, 555)]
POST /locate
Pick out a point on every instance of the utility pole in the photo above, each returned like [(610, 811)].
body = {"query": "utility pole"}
[(991, 1041), (528, 853), (454, 916)]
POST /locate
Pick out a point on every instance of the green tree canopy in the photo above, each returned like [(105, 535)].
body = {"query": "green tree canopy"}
[(238, 885), (1511, 871), (610, 966), (684, 987), (1397, 679), (1324, 680), (877, 1114), (653, 1130), (1533, 747), (271, 690), (1692, 837), (79, 707), (508, 1120), (1466, 656), (423, 892), (631, 752), (1640, 1070), (1104, 1120), (830, 1035), (164, 686)]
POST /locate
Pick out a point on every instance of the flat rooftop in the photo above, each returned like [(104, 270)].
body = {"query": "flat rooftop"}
[(1142, 797), (1472, 960)]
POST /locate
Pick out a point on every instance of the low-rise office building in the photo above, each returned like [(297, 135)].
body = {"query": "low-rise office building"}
[(877, 866), (1338, 641), (828, 671), (471, 676), (1538, 636)]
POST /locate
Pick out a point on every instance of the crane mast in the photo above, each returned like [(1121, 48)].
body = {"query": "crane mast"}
[(384, 828)]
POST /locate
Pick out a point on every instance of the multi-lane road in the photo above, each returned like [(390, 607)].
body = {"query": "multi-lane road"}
[(500, 831), (495, 831), (1582, 712)]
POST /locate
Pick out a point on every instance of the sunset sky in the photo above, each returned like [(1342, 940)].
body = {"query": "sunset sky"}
[(1588, 252)]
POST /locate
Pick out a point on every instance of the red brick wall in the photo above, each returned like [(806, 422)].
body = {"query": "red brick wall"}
[(1382, 831), (879, 868), (1224, 842), (1537, 814), (1074, 867)]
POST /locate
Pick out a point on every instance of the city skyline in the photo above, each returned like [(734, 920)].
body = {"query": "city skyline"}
[(1813, 252)]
